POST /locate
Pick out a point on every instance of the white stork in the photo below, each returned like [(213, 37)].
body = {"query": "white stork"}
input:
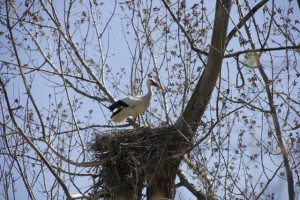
[(132, 105)]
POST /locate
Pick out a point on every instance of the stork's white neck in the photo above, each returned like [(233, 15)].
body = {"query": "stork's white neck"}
[(149, 94)]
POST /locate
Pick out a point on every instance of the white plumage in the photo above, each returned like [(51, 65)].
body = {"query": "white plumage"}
[(132, 105)]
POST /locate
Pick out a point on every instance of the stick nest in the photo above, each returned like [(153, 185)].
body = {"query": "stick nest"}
[(133, 156)]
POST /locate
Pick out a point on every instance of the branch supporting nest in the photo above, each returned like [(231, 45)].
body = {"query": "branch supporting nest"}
[(136, 156)]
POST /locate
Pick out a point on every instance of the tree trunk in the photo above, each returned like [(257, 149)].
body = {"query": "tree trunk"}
[(202, 93), (162, 183)]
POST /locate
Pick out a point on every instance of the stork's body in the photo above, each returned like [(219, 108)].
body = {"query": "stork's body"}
[(132, 105)]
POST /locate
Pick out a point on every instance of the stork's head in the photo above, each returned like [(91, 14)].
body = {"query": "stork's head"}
[(151, 81)]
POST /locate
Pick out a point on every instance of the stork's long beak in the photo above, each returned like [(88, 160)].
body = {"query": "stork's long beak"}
[(156, 85)]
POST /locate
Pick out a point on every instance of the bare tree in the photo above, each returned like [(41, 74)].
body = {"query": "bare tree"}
[(226, 124)]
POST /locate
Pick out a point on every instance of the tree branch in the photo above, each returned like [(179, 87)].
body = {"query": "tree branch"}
[(244, 20), (261, 50), (28, 140), (190, 186), (190, 40), (284, 152), (202, 93)]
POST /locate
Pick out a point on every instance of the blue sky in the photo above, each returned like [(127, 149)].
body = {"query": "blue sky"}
[(119, 56)]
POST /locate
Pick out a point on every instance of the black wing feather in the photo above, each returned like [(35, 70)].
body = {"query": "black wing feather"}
[(116, 112), (117, 104)]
